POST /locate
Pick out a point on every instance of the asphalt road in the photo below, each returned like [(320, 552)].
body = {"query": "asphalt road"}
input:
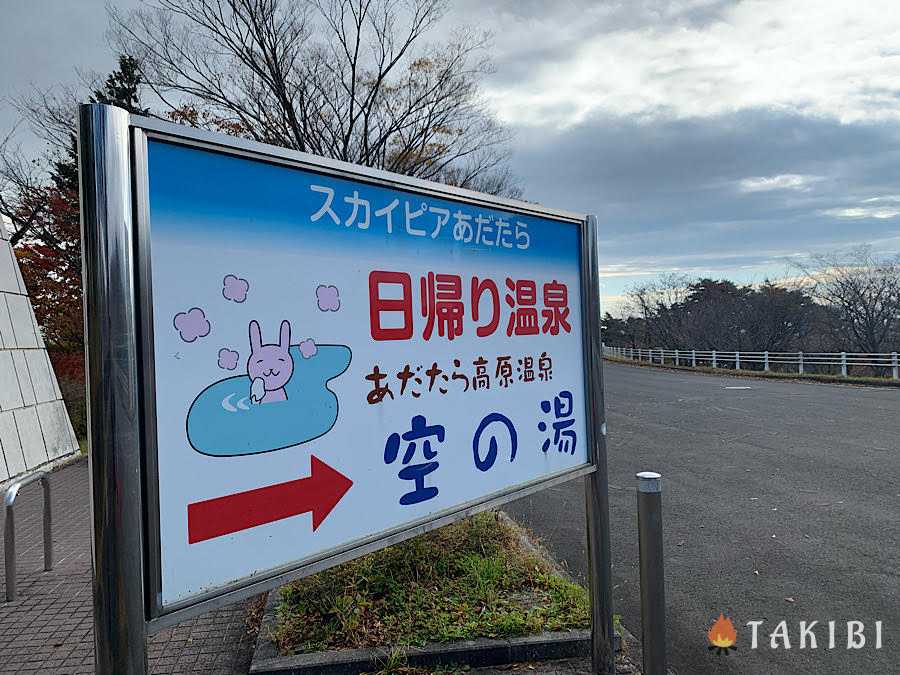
[(781, 502)]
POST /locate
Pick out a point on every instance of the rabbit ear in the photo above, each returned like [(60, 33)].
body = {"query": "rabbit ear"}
[(285, 335), (255, 337)]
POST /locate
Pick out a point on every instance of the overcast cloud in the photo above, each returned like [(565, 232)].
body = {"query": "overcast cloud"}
[(709, 136)]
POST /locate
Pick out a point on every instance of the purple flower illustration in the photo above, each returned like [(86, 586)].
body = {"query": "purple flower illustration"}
[(327, 297), (235, 288), (228, 359), (308, 348), (191, 324)]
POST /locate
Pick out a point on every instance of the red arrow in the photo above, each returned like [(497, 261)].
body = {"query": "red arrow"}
[(319, 493)]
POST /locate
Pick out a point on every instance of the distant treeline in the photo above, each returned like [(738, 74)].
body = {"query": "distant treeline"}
[(848, 302)]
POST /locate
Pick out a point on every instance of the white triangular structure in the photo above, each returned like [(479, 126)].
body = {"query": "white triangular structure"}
[(34, 425)]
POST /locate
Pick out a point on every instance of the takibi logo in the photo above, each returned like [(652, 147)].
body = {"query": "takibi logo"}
[(722, 635)]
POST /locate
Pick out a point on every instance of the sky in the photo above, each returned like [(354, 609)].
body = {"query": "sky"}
[(710, 137)]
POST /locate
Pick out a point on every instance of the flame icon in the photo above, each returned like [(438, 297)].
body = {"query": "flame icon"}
[(722, 635)]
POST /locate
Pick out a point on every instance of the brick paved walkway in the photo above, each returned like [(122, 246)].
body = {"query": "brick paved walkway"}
[(48, 629)]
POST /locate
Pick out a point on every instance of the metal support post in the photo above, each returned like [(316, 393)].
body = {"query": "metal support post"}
[(694, 358), (677, 359), (113, 406), (713, 358), (895, 365), (653, 588), (844, 364), (597, 487), (800, 362), (737, 360), (766, 361)]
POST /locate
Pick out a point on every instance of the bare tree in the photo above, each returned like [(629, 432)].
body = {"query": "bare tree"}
[(40, 196), (864, 292), (21, 189), (657, 302), (350, 79), (30, 185)]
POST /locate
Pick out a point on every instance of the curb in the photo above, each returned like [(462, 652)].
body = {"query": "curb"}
[(474, 653)]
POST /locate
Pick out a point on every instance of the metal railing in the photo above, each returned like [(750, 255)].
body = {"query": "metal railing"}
[(875, 365), (9, 533)]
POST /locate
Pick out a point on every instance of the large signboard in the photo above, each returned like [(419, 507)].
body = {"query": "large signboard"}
[(335, 358)]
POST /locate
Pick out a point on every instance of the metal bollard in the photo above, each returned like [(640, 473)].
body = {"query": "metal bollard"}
[(895, 366), (653, 596), (844, 364), (766, 361), (48, 523), (713, 358), (800, 363), (694, 358)]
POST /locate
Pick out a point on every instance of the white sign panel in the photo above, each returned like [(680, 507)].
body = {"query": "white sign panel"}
[(337, 359)]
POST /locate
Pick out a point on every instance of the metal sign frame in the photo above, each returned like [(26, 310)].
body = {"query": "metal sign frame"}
[(121, 401)]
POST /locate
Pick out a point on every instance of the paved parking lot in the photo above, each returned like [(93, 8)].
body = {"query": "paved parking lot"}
[(781, 502)]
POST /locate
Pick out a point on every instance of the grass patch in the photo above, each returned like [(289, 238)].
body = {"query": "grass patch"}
[(767, 375), (467, 580)]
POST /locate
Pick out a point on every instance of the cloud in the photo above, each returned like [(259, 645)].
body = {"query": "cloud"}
[(327, 298), (660, 176), (228, 359), (191, 324), (614, 304), (785, 181), (235, 288), (893, 199), (881, 208), (879, 212), (668, 195), (706, 135), (834, 60)]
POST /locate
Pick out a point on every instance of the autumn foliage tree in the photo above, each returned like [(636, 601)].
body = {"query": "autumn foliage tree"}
[(51, 268)]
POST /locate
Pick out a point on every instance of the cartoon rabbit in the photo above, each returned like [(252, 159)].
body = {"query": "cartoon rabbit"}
[(269, 366)]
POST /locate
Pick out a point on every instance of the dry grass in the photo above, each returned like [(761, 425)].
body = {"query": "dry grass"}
[(471, 579)]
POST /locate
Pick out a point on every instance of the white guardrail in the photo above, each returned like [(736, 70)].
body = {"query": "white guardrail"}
[(877, 365)]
